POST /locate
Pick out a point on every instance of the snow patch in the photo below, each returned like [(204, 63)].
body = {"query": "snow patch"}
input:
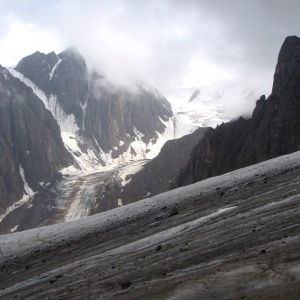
[(139, 150), (83, 107), (14, 228), (28, 195), (28, 191), (156, 95), (88, 162), (130, 170), (138, 134), (54, 68), (145, 88), (168, 134)]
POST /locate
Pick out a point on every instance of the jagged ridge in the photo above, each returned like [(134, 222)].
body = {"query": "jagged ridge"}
[(273, 130)]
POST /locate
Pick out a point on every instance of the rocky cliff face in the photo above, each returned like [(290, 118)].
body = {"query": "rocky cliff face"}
[(105, 120), (64, 75), (157, 176), (116, 117), (59, 114), (31, 148), (273, 130)]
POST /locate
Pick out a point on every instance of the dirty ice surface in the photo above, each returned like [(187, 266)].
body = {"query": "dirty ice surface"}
[(24, 241)]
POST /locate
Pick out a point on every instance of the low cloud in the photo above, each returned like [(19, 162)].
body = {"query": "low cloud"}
[(169, 42), (22, 39)]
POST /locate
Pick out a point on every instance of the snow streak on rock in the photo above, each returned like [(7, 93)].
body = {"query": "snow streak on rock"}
[(66, 122), (54, 68), (28, 195)]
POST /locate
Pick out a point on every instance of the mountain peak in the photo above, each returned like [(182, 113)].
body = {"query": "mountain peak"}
[(71, 52), (287, 74), (290, 45)]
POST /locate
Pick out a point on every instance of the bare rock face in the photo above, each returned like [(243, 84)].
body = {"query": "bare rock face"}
[(157, 176), (105, 114), (273, 130), (64, 75), (102, 119), (116, 114), (31, 148)]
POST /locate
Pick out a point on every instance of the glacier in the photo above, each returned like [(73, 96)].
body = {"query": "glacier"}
[(189, 243)]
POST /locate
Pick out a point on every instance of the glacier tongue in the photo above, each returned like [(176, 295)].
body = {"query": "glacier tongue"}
[(77, 195)]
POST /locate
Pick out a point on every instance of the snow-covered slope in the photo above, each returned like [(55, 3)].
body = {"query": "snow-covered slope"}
[(208, 106), (87, 157), (100, 145)]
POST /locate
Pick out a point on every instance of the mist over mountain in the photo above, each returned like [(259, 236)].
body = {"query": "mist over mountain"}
[(149, 150), (79, 123), (272, 131), (105, 135), (72, 145)]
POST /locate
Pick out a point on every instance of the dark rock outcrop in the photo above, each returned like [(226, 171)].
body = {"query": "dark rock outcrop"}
[(64, 75), (115, 114), (30, 141), (158, 174), (273, 130)]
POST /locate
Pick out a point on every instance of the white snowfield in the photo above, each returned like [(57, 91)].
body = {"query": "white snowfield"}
[(210, 106), (230, 235)]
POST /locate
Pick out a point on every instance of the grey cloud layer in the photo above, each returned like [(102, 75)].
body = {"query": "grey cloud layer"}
[(158, 39)]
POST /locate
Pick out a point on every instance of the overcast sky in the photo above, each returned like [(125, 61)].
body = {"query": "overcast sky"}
[(172, 43)]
